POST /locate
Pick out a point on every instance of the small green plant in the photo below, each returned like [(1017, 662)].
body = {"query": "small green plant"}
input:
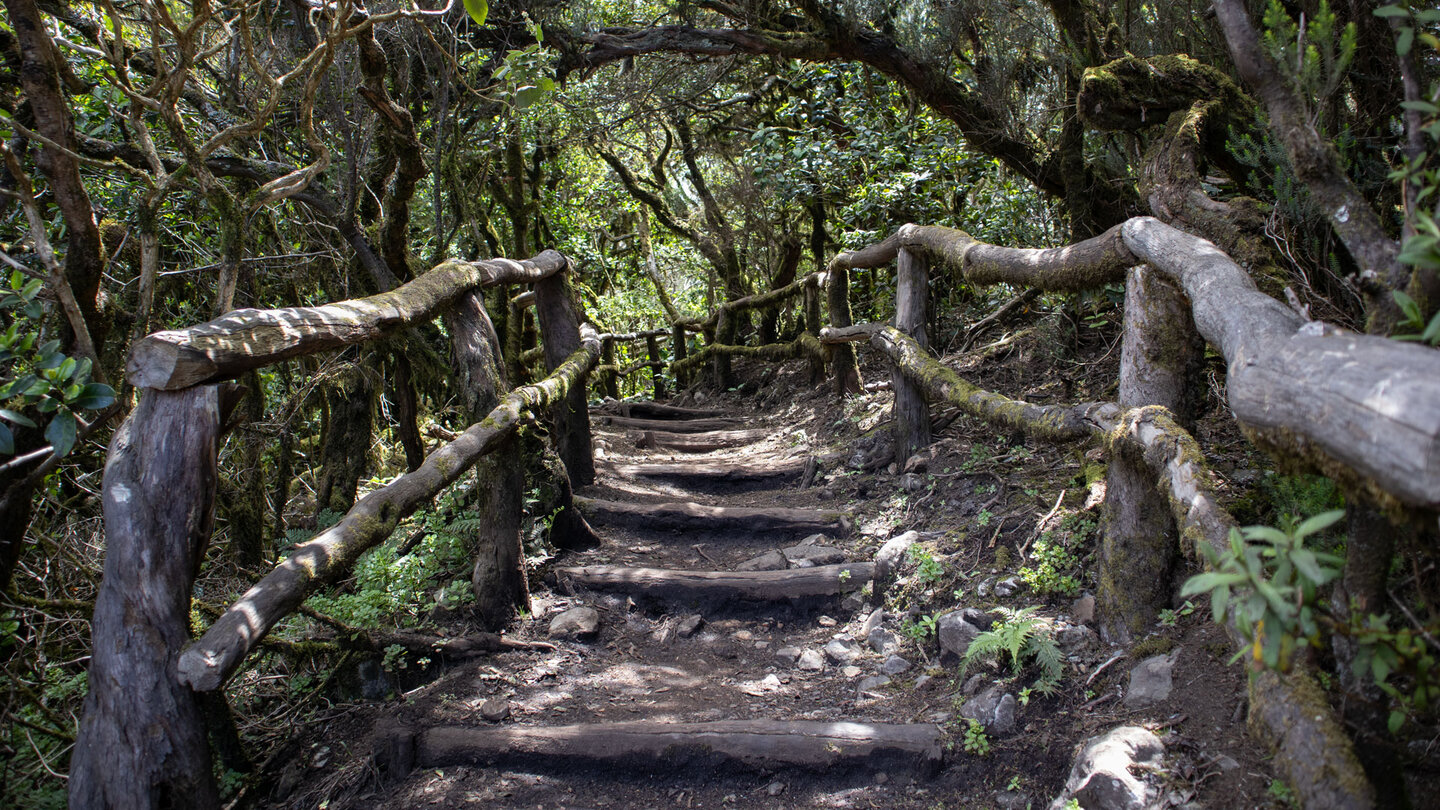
[(928, 570), (983, 519), (38, 381), (1024, 696), (1014, 783), (1281, 793), (976, 741), (1171, 618), (1020, 637), (920, 629), (1051, 561), (1268, 581)]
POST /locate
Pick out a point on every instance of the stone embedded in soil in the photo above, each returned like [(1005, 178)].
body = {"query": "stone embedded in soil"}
[(1012, 800), (805, 555), (826, 621), (1077, 640), (972, 685), (895, 665), (889, 558), (769, 561), (993, 708), (839, 651), (811, 661), (1150, 682), (775, 788), (495, 710), (688, 625), (788, 654), (813, 539), (851, 671), (910, 482), (1103, 776), (918, 463), (882, 641), (923, 682), (874, 620), (576, 623), (1083, 610), (872, 682), (1007, 586), (956, 633)]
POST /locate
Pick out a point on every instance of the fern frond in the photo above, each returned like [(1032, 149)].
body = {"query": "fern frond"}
[(1047, 654)]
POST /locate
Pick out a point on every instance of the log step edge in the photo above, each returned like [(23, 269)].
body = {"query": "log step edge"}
[(748, 744)]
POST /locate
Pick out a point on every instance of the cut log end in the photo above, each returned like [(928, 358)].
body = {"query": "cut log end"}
[(156, 361)]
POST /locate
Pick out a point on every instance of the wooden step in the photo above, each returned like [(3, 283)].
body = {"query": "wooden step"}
[(719, 476), (750, 744), (694, 517), (696, 442), (654, 410), (672, 584), (672, 426)]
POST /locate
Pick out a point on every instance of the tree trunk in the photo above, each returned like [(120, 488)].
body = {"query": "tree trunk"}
[(657, 368), (243, 502), (1160, 355), (678, 351), (912, 416), (842, 357), (407, 411), (559, 316), (610, 379), (498, 577), (813, 327), (142, 740), (347, 439)]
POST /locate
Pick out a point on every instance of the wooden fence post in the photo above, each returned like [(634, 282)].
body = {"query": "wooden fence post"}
[(657, 367), (842, 355), (610, 379), (498, 577), (558, 313), (1161, 351), (912, 415), (811, 310), (725, 330), (142, 741)]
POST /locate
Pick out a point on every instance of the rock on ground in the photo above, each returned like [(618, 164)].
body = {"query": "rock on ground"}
[(993, 708), (769, 561), (1150, 682), (1103, 776), (955, 633), (576, 623)]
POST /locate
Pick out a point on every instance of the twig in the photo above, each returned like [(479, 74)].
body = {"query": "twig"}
[(1102, 667), (1040, 527), (1414, 621), (701, 551)]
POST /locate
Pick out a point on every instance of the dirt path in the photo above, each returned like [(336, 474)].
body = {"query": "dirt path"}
[(687, 681)]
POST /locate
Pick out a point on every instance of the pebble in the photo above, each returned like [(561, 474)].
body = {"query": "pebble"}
[(775, 788), (882, 641), (955, 633), (788, 654), (495, 710), (743, 635), (1083, 610), (688, 625), (811, 661), (872, 682), (894, 665), (840, 652), (851, 671), (825, 621), (1008, 586)]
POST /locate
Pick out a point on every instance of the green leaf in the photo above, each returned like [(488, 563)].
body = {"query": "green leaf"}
[(1397, 719), (1405, 41), (1201, 583), (1392, 11), (1305, 563), (7, 440), (527, 95), (478, 10), (547, 84), (17, 418), (93, 397), (61, 433), (65, 369), (1319, 523), (1421, 106)]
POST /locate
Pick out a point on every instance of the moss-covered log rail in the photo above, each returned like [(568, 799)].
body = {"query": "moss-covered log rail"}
[(806, 345), (210, 661), (246, 339), (1362, 409)]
